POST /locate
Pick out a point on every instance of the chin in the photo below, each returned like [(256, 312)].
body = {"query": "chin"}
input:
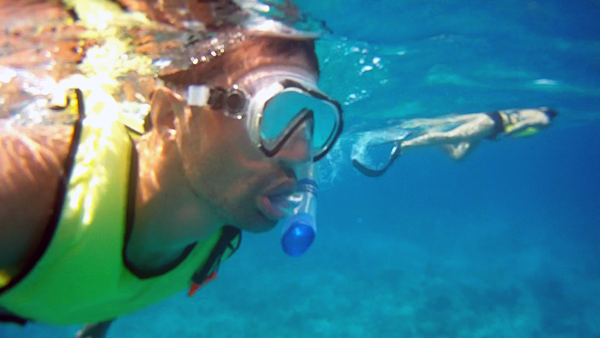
[(262, 226), (254, 222)]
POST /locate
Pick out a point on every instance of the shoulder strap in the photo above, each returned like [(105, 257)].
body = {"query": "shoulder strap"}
[(228, 244)]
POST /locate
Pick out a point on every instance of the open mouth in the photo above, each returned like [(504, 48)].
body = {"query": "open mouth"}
[(274, 207), (276, 203)]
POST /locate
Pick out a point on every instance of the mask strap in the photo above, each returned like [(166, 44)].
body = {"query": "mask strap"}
[(232, 101), (198, 96)]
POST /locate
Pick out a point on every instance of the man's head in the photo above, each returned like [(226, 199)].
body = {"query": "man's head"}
[(537, 114), (223, 167), (550, 113)]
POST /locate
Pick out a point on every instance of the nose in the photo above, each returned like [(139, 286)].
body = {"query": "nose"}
[(298, 147)]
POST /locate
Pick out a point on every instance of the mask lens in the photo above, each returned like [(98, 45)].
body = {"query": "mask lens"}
[(281, 110)]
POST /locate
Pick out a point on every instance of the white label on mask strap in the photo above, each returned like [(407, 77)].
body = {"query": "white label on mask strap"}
[(198, 95)]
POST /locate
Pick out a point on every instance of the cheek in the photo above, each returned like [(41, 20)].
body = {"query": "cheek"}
[(233, 140), (221, 158), (228, 157)]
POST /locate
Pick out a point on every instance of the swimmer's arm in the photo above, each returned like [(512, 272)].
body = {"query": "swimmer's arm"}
[(520, 126), (31, 163)]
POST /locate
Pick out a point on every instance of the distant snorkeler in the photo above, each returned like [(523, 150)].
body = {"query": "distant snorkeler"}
[(457, 135)]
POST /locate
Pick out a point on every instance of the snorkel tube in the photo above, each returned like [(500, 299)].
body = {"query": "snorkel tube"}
[(300, 227)]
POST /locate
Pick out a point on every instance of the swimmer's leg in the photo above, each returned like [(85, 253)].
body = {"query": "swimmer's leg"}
[(466, 132), (430, 138), (459, 151)]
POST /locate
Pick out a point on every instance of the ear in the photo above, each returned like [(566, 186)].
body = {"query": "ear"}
[(166, 106)]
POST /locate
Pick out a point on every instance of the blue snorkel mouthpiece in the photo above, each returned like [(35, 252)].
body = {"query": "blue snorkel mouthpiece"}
[(300, 228)]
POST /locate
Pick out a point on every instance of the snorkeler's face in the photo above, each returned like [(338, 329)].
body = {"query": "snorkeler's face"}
[(233, 176)]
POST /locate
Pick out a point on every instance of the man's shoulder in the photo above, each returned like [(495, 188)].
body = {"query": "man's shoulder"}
[(31, 167)]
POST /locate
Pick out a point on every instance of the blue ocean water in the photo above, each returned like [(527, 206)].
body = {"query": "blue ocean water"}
[(503, 244)]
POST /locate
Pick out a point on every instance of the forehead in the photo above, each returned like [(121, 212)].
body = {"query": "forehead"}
[(297, 62), (261, 77)]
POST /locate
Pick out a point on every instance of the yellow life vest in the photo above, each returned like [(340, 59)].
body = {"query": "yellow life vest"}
[(79, 274), (510, 125), (529, 131)]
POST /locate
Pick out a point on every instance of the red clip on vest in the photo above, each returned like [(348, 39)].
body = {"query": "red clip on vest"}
[(228, 243), (195, 287)]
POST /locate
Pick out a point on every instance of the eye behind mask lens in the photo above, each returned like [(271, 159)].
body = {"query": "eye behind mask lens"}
[(281, 110)]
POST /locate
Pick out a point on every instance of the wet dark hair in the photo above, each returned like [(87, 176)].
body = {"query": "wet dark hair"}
[(239, 60), (551, 113), (242, 58)]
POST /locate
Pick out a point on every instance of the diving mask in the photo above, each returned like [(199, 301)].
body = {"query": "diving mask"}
[(275, 102)]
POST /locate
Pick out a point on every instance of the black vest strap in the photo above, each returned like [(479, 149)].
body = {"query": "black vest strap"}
[(231, 239), (9, 318)]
